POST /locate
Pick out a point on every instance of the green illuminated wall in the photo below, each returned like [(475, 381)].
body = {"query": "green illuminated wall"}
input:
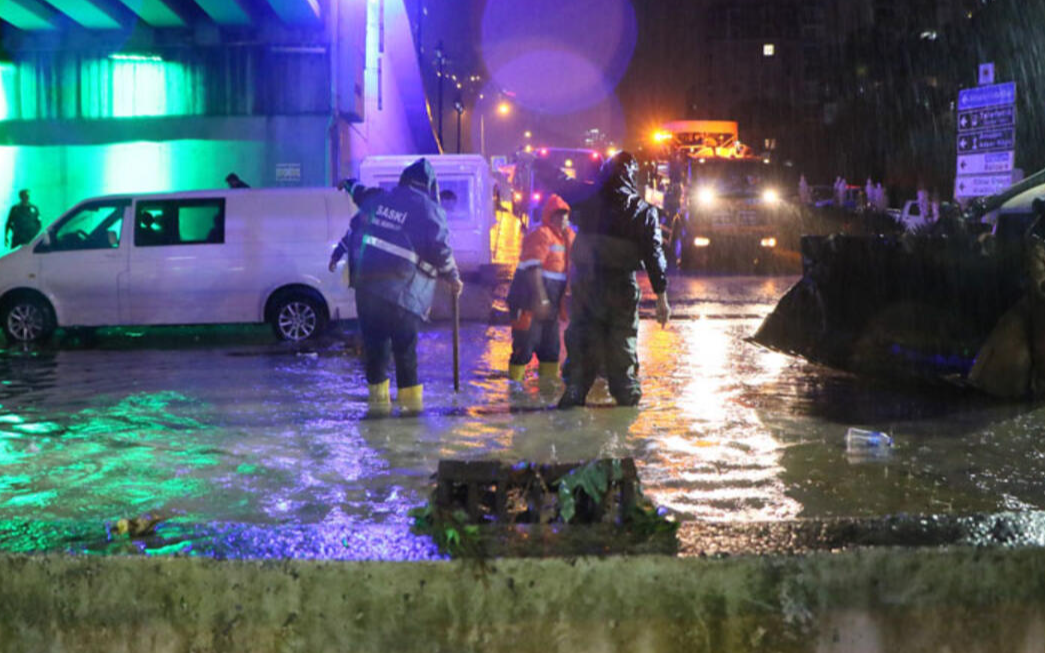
[(60, 176), (7, 86), (144, 87), (116, 86)]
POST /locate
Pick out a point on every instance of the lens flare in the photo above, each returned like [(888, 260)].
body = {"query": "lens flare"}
[(554, 57)]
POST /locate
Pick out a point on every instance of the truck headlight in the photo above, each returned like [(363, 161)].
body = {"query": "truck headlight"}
[(768, 242), (701, 241), (706, 196), (770, 196)]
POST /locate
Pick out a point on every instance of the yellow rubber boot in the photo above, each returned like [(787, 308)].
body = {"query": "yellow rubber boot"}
[(379, 403), (379, 394), (516, 372), (412, 398), (548, 371)]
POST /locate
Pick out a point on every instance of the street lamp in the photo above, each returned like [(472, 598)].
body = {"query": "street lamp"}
[(503, 109), (459, 108), (440, 58)]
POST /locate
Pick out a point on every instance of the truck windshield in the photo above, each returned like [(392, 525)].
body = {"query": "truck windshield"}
[(732, 177)]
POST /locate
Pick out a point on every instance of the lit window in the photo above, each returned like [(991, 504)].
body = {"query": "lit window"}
[(768, 50)]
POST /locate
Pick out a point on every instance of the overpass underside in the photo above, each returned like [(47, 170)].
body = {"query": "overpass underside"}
[(103, 96)]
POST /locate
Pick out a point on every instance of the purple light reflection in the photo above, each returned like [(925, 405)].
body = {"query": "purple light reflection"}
[(554, 57)]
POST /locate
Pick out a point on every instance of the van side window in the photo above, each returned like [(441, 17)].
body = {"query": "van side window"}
[(94, 226), (456, 198), (179, 222)]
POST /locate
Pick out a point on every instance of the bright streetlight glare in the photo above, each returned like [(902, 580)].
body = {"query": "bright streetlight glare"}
[(504, 108)]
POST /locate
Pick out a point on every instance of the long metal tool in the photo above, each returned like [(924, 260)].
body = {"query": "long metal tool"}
[(457, 341)]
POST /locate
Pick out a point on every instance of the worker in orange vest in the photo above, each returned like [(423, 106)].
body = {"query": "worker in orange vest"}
[(536, 296)]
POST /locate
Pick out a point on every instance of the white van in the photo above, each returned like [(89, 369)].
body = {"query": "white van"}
[(470, 213), (202, 257)]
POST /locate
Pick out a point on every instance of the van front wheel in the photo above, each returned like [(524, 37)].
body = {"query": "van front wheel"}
[(27, 319), (297, 317)]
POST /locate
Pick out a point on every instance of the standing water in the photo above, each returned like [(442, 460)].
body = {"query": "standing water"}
[(249, 448)]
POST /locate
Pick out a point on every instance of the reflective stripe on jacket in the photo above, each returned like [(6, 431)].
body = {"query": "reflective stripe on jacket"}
[(398, 246)]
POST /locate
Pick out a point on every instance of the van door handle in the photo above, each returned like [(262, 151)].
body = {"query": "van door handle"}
[(113, 255)]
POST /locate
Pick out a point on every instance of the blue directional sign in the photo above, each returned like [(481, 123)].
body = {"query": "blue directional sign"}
[(987, 96), (1004, 116), (988, 140), (981, 185)]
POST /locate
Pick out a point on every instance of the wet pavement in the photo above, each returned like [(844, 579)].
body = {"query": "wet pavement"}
[(252, 448)]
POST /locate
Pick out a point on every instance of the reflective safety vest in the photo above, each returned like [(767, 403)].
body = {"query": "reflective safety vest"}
[(398, 246), (548, 250)]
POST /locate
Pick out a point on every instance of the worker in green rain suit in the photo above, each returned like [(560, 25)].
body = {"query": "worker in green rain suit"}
[(618, 233)]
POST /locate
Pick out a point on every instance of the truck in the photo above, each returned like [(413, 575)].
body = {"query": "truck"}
[(537, 173), (466, 185), (725, 206), (911, 216)]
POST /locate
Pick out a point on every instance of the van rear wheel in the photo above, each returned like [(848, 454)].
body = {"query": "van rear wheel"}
[(27, 319), (297, 317)]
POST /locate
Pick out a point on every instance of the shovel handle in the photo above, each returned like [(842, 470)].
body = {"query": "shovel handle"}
[(457, 341)]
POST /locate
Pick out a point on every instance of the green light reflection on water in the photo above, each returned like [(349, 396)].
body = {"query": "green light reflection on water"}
[(11, 452), (141, 454), (170, 549), (13, 481), (39, 428), (33, 499)]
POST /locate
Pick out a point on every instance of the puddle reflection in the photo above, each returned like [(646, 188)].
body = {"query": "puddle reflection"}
[(253, 449)]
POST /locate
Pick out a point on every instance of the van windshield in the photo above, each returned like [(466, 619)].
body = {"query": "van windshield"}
[(92, 226)]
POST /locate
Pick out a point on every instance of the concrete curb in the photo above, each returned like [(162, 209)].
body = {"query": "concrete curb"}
[(959, 599)]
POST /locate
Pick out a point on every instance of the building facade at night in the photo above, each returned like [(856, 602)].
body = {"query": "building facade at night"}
[(104, 96), (757, 59)]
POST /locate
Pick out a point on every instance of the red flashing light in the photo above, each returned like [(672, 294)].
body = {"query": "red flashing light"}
[(536, 197), (544, 151), (594, 156)]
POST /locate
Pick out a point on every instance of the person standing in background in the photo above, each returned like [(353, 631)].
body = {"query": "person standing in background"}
[(23, 222)]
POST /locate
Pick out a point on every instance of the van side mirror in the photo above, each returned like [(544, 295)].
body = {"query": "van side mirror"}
[(45, 243)]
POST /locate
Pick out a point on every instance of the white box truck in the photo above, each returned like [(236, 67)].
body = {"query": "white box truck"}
[(469, 215)]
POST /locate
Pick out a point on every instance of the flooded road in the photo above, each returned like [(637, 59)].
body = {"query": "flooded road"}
[(250, 448)]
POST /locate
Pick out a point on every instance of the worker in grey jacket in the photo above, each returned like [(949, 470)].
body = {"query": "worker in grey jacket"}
[(398, 247), (618, 234)]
